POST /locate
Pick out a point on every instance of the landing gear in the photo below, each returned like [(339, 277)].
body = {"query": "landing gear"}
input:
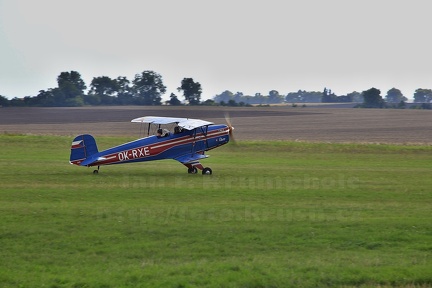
[(207, 171), (193, 170), (96, 171)]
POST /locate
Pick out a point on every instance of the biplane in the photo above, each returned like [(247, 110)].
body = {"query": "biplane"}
[(187, 143)]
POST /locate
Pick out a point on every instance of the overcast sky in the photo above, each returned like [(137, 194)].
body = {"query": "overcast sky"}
[(237, 45)]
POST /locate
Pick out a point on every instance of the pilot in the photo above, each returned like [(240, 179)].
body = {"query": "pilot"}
[(177, 130), (165, 133), (162, 132), (159, 132)]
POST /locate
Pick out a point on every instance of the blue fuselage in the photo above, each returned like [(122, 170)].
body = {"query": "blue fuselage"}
[(181, 146)]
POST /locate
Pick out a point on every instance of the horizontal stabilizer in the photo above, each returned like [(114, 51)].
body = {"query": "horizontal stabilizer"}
[(89, 161)]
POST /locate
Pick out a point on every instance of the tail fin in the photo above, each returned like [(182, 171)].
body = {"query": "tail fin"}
[(83, 146)]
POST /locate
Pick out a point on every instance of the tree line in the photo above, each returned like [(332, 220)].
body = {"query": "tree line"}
[(372, 99), (393, 96), (147, 88)]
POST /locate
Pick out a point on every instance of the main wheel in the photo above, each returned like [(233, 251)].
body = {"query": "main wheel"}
[(95, 171), (207, 171), (192, 170)]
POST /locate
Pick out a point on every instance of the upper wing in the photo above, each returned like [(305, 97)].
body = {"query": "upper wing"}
[(158, 120), (185, 123), (190, 124)]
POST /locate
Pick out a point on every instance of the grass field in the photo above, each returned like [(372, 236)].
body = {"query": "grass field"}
[(273, 214)]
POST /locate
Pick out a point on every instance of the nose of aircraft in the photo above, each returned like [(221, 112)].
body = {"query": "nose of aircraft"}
[(231, 133), (231, 128)]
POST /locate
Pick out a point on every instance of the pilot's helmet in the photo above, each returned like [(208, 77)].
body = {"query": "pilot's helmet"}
[(159, 131)]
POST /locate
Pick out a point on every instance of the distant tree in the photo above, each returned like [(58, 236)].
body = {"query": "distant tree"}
[(17, 102), (70, 89), (426, 106), (238, 97), (92, 99), (125, 95), (4, 102), (232, 103), (423, 95), (71, 84), (104, 85), (328, 96), (247, 100), (293, 97), (191, 91), (224, 97), (344, 99), (149, 88), (260, 99), (209, 102), (174, 101), (372, 98), (394, 96), (45, 98), (255, 99), (356, 96), (70, 92), (304, 96), (72, 77), (275, 97), (103, 90), (401, 105)]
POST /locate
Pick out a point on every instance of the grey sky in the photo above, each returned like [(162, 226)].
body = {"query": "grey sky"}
[(246, 46)]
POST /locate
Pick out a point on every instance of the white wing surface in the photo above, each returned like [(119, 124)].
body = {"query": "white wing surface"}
[(157, 120), (185, 123), (190, 124)]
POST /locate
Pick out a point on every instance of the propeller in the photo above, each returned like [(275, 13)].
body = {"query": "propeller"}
[(230, 126)]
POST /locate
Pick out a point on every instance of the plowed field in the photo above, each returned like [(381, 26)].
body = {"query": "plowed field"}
[(321, 124)]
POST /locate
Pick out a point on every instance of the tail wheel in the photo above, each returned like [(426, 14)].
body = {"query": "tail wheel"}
[(192, 170), (207, 171), (96, 171)]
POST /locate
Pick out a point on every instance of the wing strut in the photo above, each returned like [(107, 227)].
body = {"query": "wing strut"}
[(205, 131), (194, 142)]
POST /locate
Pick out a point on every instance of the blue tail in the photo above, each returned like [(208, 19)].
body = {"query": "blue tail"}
[(83, 146)]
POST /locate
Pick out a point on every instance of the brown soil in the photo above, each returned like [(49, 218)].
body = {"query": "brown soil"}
[(258, 123)]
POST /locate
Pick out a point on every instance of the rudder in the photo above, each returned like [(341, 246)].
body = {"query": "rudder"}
[(83, 146)]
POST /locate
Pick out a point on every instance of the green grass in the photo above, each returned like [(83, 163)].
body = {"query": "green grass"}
[(273, 214)]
